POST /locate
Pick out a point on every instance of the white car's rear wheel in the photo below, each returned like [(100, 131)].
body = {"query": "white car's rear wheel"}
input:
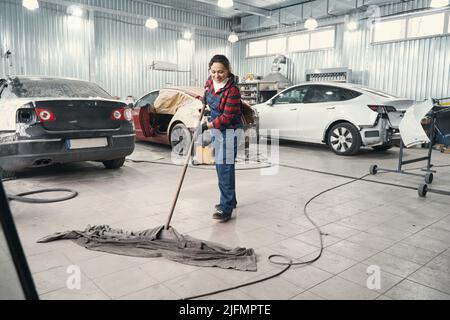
[(344, 139)]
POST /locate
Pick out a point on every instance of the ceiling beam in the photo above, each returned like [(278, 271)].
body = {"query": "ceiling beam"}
[(240, 7), (137, 16)]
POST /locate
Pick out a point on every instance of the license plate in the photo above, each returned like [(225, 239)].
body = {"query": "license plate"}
[(86, 143)]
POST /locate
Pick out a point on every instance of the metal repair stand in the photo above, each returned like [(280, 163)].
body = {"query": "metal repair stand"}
[(428, 177), (423, 188)]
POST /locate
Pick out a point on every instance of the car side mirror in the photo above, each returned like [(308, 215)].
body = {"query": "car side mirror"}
[(269, 103)]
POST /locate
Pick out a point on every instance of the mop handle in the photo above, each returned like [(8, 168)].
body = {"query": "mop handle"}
[(180, 184)]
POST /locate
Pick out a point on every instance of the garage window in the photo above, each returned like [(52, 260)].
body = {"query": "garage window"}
[(299, 42), (322, 39), (424, 26), (305, 41), (257, 48), (389, 30), (411, 27), (275, 46)]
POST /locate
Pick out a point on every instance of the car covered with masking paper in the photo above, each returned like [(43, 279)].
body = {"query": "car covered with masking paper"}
[(170, 115), (48, 120)]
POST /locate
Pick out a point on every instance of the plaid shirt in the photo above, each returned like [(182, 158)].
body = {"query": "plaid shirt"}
[(230, 104)]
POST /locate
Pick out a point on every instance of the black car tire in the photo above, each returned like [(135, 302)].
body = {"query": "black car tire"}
[(383, 147), (180, 138), (344, 139), (114, 164)]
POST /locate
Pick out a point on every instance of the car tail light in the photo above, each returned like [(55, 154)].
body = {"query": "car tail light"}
[(380, 108), (45, 115), (121, 114)]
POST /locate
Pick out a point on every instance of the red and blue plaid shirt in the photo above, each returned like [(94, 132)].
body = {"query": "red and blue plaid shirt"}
[(230, 104)]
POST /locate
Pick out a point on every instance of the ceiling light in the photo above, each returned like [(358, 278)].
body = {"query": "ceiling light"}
[(233, 37), (187, 35), (311, 24), (75, 11), (225, 3), (352, 25), (438, 3), (151, 23), (30, 4)]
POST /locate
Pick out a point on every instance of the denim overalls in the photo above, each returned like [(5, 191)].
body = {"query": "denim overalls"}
[(225, 147)]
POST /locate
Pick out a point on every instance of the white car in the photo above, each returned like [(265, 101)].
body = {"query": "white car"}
[(342, 115)]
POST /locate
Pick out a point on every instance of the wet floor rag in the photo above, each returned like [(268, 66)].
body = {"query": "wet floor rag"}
[(159, 242)]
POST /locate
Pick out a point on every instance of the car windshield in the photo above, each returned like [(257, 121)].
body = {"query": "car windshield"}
[(378, 93), (44, 88)]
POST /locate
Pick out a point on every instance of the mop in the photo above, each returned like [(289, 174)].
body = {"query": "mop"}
[(162, 241)]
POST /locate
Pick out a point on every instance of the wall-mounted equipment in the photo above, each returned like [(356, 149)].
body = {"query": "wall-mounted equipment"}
[(329, 74)]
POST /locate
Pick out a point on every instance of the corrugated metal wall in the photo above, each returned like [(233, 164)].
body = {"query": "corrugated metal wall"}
[(415, 69), (115, 51), (43, 42)]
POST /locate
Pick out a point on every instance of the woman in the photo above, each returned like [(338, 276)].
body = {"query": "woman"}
[(224, 100)]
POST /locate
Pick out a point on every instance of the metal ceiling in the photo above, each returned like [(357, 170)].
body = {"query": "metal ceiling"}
[(240, 7)]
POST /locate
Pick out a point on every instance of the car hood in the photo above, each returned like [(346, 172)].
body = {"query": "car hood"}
[(411, 129)]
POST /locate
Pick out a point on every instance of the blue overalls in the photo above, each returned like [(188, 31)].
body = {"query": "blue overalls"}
[(225, 147)]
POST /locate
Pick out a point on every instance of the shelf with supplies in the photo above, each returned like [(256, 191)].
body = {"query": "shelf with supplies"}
[(257, 91)]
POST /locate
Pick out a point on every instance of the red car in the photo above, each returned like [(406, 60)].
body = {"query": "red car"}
[(170, 115)]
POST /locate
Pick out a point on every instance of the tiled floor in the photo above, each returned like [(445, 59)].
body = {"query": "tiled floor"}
[(366, 225)]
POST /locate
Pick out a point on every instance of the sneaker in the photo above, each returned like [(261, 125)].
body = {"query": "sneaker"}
[(219, 215)]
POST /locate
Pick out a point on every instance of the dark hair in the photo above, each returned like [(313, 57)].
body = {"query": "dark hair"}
[(220, 59)]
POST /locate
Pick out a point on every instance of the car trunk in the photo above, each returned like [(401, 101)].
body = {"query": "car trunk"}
[(400, 105), (80, 115)]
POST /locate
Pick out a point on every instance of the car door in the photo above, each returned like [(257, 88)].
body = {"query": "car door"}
[(322, 105), (282, 112), (140, 117)]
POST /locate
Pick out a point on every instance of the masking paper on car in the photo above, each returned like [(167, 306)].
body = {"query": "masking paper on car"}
[(169, 101), (159, 242)]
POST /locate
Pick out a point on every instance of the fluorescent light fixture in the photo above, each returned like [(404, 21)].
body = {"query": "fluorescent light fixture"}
[(75, 11), (233, 37), (438, 3), (225, 3), (311, 24), (187, 35), (352, 25), (30, 4), (151, 23)]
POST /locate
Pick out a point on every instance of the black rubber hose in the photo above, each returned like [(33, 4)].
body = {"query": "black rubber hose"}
[(22, 197)]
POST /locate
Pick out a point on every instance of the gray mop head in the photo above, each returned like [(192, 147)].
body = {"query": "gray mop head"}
[(159, 242)]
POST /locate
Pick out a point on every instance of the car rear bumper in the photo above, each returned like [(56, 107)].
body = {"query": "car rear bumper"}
[(379, 134), (21, 154)]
